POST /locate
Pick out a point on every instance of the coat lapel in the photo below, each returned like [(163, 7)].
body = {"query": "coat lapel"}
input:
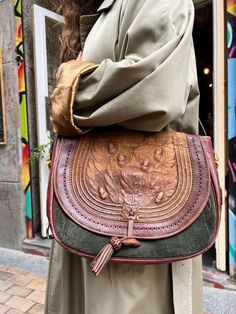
[(87, 21), (86, 24), (105, 5)]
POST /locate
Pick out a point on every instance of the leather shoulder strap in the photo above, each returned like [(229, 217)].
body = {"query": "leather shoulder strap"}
[(63, 96)]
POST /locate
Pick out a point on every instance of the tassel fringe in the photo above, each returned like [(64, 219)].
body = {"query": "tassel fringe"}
[(107, 251), (102, 259)]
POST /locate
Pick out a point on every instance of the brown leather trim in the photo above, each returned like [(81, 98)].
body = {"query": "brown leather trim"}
[(71, 202), (124, 260), (207, 144), (50, 191), (208, 149), (206, 141), (132, 260)]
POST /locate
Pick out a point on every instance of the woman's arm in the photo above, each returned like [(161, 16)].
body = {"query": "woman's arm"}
[(151, 84), (149, 87)]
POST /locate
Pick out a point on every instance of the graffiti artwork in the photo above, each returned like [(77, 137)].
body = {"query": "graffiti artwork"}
[(23, 115), (2, 106), (231, 41)]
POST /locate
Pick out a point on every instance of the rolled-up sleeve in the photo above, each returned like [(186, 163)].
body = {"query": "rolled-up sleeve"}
[(148, 87)]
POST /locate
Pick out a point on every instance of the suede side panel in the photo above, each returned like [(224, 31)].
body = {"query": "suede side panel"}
[(193, 239)]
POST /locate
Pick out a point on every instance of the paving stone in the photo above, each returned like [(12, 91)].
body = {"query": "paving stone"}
[(19, 291), (4, 296), (4, 285), (34, 276), (18, 271), (38, 284), (36, 309), (3, 309), (19, 303), (20, 280), (5, 275), (12, 311), (37, 296), (4, 267)]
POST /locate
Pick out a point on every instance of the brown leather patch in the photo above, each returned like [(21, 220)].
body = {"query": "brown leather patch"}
[(111, 181)]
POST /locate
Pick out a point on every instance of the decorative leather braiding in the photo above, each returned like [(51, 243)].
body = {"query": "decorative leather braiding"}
[(132, 184)]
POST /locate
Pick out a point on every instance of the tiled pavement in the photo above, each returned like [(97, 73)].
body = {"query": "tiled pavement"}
[(21, 291)]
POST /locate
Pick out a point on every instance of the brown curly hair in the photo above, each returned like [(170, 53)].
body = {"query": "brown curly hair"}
[(70, 36)]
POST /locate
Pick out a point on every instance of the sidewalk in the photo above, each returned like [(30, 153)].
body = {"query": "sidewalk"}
[(21, 291), (22, 282), (23, 285)]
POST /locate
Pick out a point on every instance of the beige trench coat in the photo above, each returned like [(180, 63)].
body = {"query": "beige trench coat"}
[(146, 80)]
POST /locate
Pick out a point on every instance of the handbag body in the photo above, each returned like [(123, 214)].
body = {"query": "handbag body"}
[(135, 197)]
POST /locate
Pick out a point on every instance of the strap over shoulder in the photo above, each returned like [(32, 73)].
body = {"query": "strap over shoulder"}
[(63, 96)]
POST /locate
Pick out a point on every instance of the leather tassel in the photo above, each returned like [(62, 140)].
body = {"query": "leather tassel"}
[(102, 259), (107, 251)]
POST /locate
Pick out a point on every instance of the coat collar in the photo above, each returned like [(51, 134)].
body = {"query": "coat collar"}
[(86, 24), (87, 21), (105, 5)]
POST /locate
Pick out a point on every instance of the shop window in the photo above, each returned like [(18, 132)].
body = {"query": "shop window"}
[(203, 41)]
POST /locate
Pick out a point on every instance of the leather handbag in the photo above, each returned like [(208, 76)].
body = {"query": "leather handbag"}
[(136, 197)]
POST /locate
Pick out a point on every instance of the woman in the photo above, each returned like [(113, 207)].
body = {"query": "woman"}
[(146, 80)]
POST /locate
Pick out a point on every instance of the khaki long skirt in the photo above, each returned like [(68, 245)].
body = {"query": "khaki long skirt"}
[(120, 289)]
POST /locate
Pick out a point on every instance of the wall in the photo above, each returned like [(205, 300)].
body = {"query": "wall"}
[(13, 201), (12, 216)]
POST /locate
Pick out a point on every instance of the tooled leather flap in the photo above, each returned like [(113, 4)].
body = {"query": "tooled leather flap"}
[(125, 182)]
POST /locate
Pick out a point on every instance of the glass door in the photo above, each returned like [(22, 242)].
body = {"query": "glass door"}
[(210, 54)]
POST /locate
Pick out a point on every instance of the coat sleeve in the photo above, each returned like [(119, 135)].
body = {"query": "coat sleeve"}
[(148, 87)]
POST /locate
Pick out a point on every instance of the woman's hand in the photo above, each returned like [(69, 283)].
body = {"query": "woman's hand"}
[(79, 58), (59, 71)]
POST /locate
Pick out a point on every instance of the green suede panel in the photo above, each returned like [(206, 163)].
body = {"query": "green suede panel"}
[(192, 240)]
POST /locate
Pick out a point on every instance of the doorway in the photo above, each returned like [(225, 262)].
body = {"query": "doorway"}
[(204, 47)]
